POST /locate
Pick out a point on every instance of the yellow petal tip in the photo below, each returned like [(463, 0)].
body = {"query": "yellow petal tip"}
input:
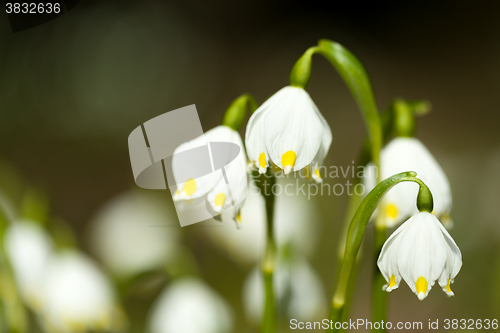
[(288, 161), (392, 282), (421, 285), (188, 189)]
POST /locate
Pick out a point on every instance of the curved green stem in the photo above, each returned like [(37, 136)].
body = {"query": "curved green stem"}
[(357, 80), (355, 76), (236, 113), (356, 233)]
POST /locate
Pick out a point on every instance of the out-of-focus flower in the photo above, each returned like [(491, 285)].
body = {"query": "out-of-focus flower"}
[(409, 154), (188, 305), (135, 232), (213, 186), (288, 130), (295, 225), (245, 244), (421, 252), (29, 248), (77, 296), (299, 292)]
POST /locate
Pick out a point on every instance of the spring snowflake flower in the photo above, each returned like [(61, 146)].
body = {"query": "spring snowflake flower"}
[(29, 249), (124, 236), (288, 130), (188, 305), (299, 292), (247, 245), (421, 252), (78, 297), (213, 187), (405, 154)]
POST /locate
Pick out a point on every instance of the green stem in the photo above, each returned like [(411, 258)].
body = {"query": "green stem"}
[(357, 80), (269, 321), (356, 233), (236, 113)]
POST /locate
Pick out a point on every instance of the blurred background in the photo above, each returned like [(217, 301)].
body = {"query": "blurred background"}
[(72, 90)]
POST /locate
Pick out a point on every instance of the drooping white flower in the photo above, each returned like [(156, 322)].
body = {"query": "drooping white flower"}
[(295, 225), (77, 296), (213, 187), (299, 292), (29, 248), (135, 232), (409, 154), (421, 252), (288, 130), (188, 305)]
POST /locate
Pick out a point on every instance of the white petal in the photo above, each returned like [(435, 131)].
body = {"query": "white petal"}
[(245, 246), (409, 154), (130, 234), (29, 248), (422, 252), (292, 125), (254, 135), (77, 294), (188, 305)]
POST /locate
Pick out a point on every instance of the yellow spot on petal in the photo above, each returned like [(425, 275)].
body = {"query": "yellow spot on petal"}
[(189, 187), (391, 211), (448, 288), (316, 172), (177, 192), (262, 160), (220, 199), (392, 283), (421, 285), (238, 217), (288, 159)]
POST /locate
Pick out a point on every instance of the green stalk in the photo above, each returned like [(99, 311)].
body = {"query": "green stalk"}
[(269, 321), (357, 80), (356, 232), (236, 113)]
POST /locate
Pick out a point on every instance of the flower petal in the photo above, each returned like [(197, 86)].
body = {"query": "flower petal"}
[(293, 132)]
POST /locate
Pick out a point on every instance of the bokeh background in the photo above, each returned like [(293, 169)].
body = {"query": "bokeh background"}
[(72, 90)]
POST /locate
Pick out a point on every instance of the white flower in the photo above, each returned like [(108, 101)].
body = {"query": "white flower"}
[(213, 187), (299, 292), (295, 224), (29, 248), (421, 252), (133, 233), (188, 305), (288, 130), (409, 154), (77, 296)]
